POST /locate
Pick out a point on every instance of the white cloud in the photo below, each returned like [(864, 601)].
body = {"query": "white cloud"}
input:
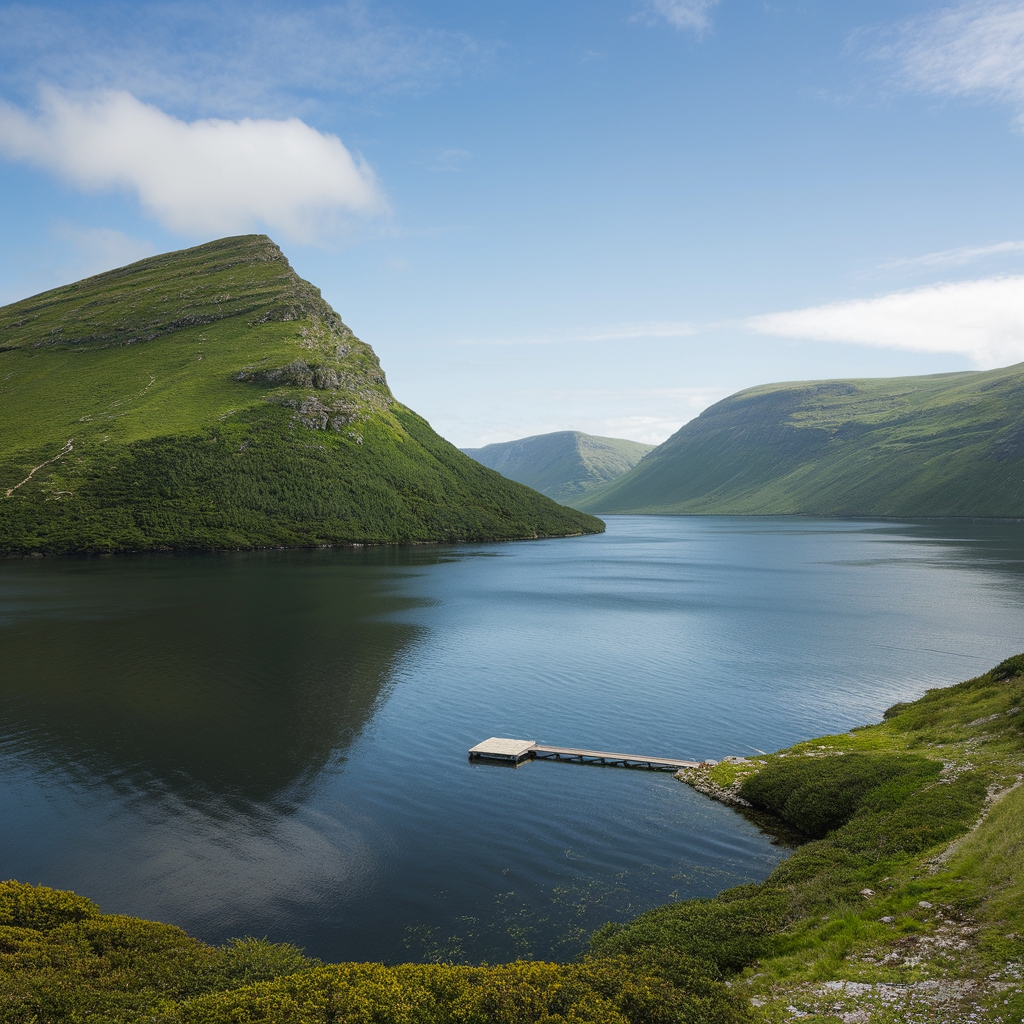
[(684, 14), (448, 160), (204, 177), (648, 415), (973, 49), (953, 257), (653, 329), (983, 320)]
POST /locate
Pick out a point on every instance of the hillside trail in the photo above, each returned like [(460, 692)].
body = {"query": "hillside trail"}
[(68, 447)]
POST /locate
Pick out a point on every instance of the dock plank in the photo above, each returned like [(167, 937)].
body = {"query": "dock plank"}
[(540, 750)]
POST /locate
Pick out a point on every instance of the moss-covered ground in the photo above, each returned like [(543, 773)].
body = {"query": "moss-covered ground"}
[(903, 902)]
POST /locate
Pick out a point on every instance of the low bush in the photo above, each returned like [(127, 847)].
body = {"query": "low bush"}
[(817, 795), (61, 960)]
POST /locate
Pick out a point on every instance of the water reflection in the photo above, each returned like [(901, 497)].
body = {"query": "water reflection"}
[(231, 678)]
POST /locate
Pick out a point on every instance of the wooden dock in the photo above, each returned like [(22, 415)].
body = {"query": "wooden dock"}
[(514, 751)]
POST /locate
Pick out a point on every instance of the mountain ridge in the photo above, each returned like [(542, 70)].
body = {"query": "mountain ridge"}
[(564, 464), (948, 444)]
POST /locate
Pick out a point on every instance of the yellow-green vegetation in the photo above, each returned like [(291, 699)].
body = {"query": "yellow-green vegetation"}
[(908, 906), (948, 444), (61, 960), (210, 398)]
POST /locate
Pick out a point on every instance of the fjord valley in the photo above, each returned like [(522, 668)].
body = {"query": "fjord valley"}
[(210, 398), (564, 465), (949, 444)]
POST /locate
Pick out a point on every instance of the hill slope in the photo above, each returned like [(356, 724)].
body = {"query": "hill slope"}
[(210, 398), (948, 444), (563, 465)]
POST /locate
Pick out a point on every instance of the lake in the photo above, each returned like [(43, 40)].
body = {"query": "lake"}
[(274, 743)]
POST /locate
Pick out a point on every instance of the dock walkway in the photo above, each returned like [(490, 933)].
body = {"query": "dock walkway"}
[(497, 749), (605, 757)]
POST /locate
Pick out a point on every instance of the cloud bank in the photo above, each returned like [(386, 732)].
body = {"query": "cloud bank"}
[(201, 177), (983, 320), (974, 49)]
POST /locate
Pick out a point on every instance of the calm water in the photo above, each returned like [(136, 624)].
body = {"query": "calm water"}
[(275, 743)]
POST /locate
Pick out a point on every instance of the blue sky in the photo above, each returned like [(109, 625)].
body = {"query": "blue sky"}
[(600, 216)]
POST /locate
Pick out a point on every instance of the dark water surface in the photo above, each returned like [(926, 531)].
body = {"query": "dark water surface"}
[(275, 743)]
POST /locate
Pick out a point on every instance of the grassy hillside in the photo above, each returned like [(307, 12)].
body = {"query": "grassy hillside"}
[(563, 465), (904, 902), (943, 445), (210, 398)]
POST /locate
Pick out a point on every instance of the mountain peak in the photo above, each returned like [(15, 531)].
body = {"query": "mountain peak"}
[(244, 275), (211, 398)]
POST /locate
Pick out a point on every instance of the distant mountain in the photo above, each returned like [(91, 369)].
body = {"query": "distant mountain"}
[(948, 444), (564, 465), (210, 398)]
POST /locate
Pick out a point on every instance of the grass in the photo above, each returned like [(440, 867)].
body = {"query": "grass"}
[(211, 399), (908, 906), (941, 445)]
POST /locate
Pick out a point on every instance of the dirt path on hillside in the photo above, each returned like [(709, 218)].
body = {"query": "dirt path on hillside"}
[(64, 451)]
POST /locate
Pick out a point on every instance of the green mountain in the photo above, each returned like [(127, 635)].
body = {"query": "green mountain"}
[(949, 444), (210, 398), (563, 465)]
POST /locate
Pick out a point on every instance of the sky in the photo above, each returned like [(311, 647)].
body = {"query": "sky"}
[(599, 216)]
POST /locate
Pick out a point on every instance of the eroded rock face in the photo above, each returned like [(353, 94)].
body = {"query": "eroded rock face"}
[(700, 780), (343, 370), (298, 373), (317, 415)]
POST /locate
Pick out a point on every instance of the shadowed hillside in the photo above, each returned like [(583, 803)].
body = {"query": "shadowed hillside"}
[(948, 444), (210, 398), (564, 465)]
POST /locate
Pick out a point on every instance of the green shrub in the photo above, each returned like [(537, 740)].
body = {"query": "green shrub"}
[(716, 936), (602, 991), (61, 960), (35, 906), (897, 819), (1011, 668), (817, 795)]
